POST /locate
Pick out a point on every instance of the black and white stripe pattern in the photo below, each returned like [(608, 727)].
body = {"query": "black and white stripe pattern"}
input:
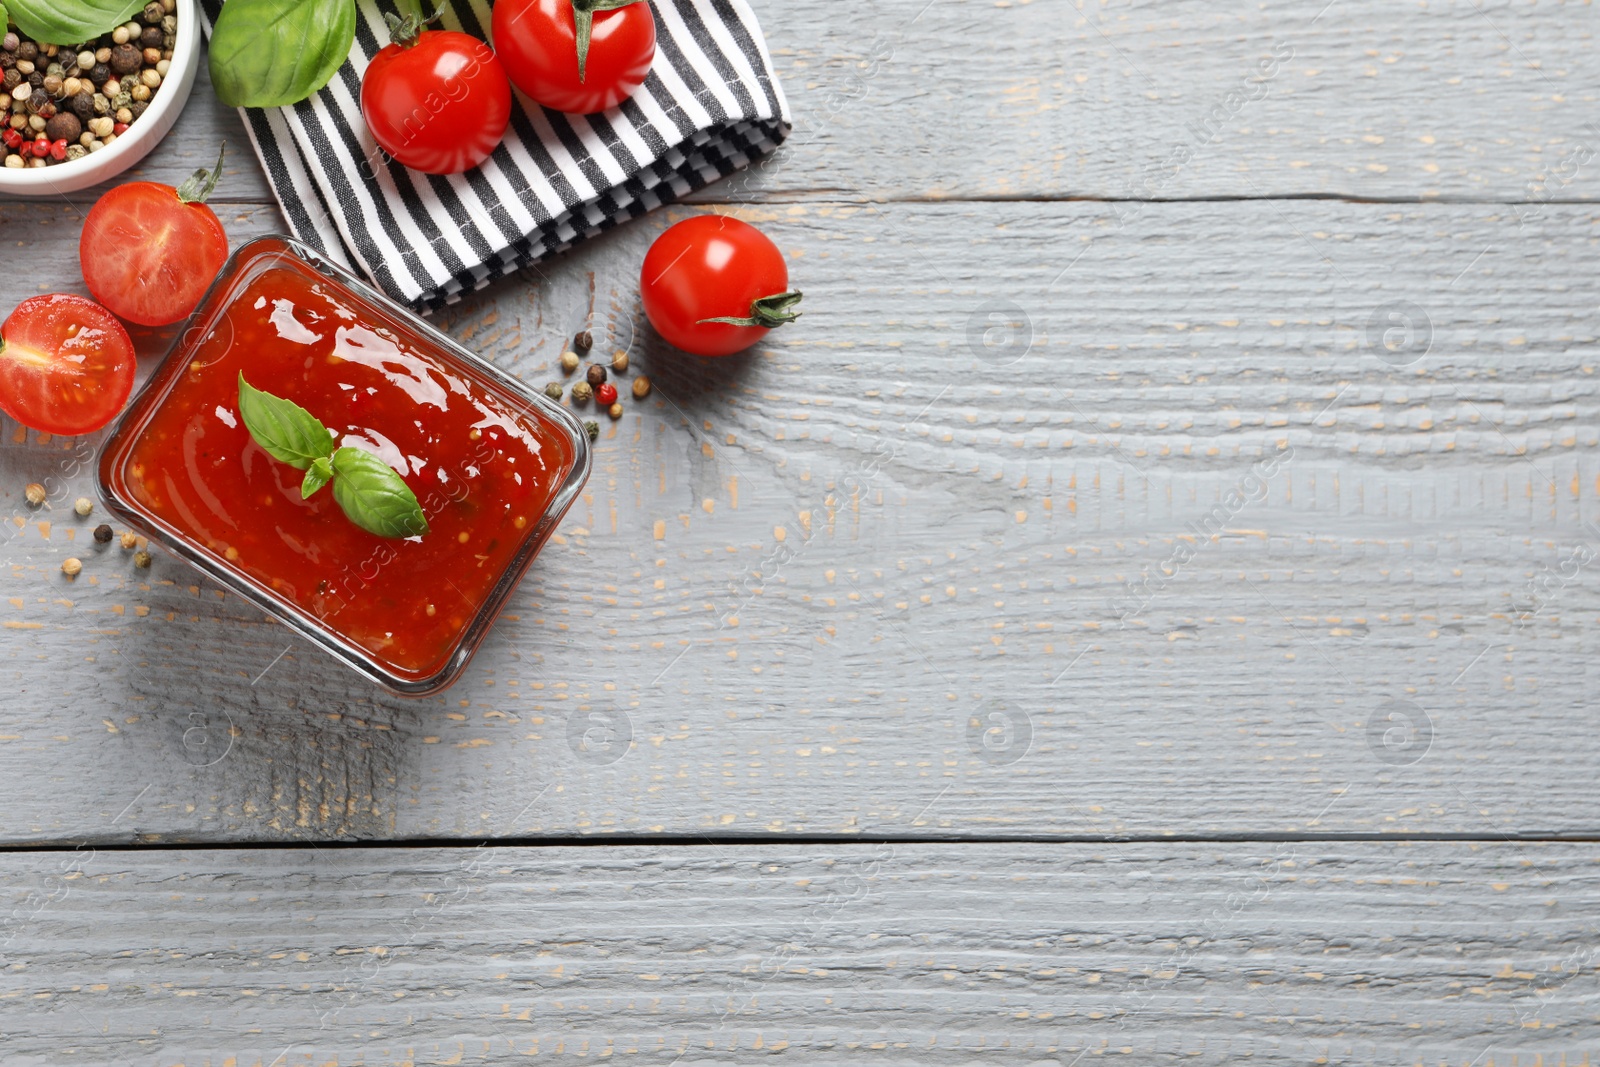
[(710, 106)]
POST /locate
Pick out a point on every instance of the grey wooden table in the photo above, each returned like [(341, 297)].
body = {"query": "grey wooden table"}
[(1145, 609)]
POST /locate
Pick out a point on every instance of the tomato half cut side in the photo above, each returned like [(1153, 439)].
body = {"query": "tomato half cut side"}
[(149, 256), (66, 365)]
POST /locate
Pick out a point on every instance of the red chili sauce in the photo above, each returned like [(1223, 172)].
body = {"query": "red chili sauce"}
[(484, 467)]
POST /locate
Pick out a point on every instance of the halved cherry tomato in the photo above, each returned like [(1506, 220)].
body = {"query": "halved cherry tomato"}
[(713, 286), (66, 364), (436, 100), (149, 251), (548, 56)]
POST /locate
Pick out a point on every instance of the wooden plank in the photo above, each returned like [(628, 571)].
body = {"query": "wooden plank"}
[(1141, 101), (1199, 954), (966, 628)]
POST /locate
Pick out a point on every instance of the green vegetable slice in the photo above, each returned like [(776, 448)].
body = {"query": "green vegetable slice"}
[(273, 53), (374, 497), (288, 432), (70, 21)]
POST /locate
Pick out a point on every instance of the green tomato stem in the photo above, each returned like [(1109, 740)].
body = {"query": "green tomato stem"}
[(583, 20), (769, 312), (202, 183), (405, 31)]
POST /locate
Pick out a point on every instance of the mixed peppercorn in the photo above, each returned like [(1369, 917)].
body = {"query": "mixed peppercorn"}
[(593, 385), (64, 102), (83, 507)]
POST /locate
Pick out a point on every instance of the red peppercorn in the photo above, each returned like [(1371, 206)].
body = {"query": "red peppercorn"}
[(41, 148), (12, 138), (120, 128), (58, 150), (605, 394)]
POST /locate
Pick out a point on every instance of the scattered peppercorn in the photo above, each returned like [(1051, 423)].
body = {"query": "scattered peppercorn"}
[(615, 411), (619, 362), (102, 534), (581, 392), (34, 493), (641, 387), (583, 342), (592, 428), (569, 361), (605, 394), (553, 390), (129, 539), (597, 374), (83, 505), (71, 566), (141, 559)]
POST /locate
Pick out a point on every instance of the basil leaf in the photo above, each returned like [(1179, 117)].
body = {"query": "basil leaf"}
[(288, 432), (273, 53), (374, 496), (70, 21), (320, 474)]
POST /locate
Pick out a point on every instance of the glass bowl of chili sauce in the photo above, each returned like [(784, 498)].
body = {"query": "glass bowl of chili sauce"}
[(493, 464)]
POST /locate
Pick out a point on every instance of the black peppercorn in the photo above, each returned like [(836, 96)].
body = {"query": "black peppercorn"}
[(138, 107), (151, 37), (583, 342), (153, 13), (64, 127), (99, 74), (7, 60), (27, 50), (36, 80), (13, 78), (125, 59), (102, 534), (82, 105), (597, 374)]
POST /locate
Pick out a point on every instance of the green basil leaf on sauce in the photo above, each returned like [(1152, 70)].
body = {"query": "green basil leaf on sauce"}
[(273, 53), (70, 21), (288, 432), (374, 496), (319, 475)]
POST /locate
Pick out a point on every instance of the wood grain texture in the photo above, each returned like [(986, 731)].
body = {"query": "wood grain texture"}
[(1169, 100), (1290, 954), (1215, 553)]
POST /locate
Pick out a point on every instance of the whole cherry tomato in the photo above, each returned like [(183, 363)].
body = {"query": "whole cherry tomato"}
[(66, 364), (149, 251), (577, 56), (713, 286), (436, 100)]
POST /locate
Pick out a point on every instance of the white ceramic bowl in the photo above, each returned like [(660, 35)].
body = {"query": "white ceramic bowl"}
[(141, 137)]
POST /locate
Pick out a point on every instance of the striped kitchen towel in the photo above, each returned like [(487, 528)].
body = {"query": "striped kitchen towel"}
[(710, 106)]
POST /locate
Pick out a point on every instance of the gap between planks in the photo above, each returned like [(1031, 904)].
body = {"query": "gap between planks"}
[(704, 840)]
